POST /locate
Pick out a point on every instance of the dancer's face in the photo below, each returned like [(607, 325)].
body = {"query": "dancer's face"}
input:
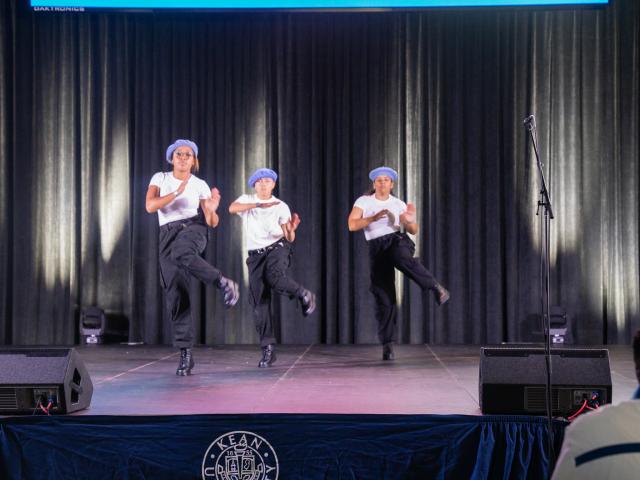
[(183, 159), (383, 185), (264, 187)]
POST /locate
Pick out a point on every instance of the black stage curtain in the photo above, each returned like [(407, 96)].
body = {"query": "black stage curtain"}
[(90, 101)]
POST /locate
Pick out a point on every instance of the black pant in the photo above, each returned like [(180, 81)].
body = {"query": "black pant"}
[(181, 244), (268, 273), (391, 251)]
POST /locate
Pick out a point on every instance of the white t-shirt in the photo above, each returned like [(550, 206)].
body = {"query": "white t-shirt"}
[(602, 435), (262, 225), (370, 205), (186, 204)]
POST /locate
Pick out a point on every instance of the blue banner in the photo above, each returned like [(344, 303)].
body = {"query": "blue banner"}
[(276, 447), (331, 4)]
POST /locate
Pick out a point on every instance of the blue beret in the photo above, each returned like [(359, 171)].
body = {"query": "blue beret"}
[(262, 173), (388, 171), (181, 143)]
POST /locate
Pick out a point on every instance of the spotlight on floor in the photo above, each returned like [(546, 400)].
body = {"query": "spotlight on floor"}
[(559, 325), (98, 327)]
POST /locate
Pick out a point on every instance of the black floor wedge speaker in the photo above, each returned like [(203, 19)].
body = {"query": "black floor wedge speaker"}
[(513, 378), (43, 380)]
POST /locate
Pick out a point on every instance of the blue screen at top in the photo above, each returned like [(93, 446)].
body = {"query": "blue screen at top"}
[(205, 4)]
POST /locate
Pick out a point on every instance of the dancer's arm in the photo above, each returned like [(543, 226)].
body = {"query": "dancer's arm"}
[(289, 228), (358, 222), (408, 219), (155, 202), (237, 207), (209, 207)]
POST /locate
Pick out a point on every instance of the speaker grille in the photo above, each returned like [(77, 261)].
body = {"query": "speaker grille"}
[(8, 399), (535, 399)]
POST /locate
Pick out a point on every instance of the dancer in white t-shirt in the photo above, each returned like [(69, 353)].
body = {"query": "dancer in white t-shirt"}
[(270, 230), (186, 207), (383, 217)]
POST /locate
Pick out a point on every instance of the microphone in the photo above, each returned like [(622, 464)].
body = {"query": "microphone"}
[(529, 119)]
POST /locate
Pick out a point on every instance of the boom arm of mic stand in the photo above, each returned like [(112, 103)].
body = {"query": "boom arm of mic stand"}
[(544, 191)]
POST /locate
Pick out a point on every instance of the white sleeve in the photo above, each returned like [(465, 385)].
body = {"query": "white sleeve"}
[(284, 213), (362, 202), (244, 198), (204, 190), (157, 179)]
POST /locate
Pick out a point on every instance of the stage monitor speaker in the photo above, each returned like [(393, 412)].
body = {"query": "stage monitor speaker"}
[(39, 379), (513, 378)]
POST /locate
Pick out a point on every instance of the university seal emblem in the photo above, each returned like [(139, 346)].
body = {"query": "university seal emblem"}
[(240, 456)]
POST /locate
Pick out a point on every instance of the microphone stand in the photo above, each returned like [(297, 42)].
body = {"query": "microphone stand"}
[(545, 274)]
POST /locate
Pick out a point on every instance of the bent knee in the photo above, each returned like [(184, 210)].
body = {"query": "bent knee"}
[(183, 256), (273, 278)]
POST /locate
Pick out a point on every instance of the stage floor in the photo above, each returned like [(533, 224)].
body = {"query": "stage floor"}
[(423, 379)]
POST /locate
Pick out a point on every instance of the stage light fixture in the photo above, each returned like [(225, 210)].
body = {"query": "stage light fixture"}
[(558, 325), (97, 327)]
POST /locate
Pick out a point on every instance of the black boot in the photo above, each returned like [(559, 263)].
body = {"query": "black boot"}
[(268, 356), (387, 351), (230, 291), (186, 362), (307, 301), (442, 294)]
